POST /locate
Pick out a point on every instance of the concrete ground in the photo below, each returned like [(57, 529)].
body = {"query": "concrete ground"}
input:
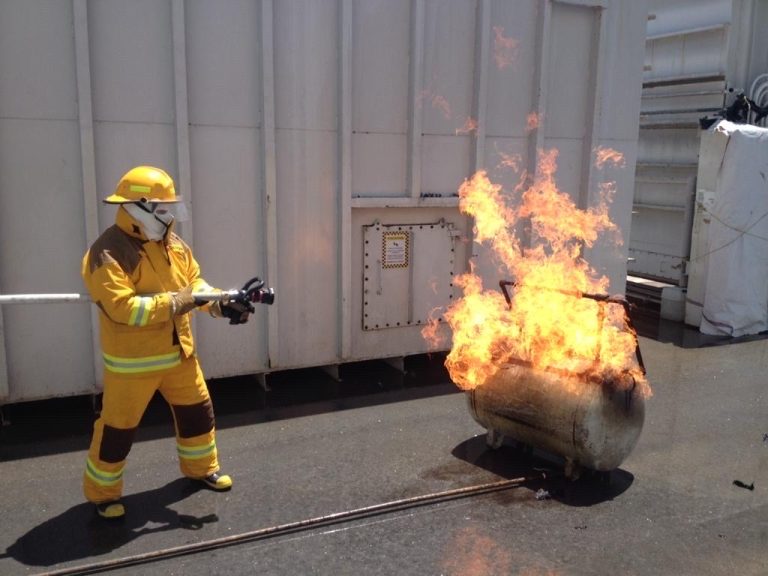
[(672, 508)]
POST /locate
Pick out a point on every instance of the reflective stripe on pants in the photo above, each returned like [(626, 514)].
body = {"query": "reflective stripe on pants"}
[(125, 399)]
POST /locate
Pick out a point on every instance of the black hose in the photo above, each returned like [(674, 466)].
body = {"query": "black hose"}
[(292, 527)]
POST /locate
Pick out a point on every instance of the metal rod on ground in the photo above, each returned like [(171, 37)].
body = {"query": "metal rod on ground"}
[(216, 543)]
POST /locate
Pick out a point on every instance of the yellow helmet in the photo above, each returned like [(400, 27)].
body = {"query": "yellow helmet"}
[(144, 184)]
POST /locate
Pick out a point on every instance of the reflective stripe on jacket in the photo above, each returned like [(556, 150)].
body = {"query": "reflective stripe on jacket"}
[(129, 277)]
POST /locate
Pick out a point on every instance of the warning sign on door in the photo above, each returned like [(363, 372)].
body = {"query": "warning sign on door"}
[(395, 248)]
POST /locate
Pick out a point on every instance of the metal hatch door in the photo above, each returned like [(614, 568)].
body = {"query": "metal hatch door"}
[(407, 274)]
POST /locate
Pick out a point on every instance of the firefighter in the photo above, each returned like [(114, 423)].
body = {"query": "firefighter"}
[(142, 276)]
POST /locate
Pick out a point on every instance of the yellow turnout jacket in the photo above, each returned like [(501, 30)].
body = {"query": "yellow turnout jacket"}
[(129, 277)]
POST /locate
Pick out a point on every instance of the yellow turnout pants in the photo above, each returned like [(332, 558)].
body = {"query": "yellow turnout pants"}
[(125, 399)]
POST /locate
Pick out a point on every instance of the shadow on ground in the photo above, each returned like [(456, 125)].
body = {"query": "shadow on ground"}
[(510, 462), (79, 533), (60, 425)]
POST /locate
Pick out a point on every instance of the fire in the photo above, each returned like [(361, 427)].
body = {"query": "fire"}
[(603, 155), (470, 125), (504, 48), (548, 325), (437, 101), (512, 161), (532, 122)]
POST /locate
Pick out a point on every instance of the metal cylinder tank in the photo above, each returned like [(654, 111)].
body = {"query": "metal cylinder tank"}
[(590, 422)]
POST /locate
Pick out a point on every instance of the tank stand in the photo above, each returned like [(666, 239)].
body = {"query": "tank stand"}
[(494, 439), (572, 469)]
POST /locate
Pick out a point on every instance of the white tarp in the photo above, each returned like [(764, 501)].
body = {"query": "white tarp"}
[(736, 292)]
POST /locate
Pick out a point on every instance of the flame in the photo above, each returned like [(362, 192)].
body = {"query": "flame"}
[(512, 161), (436, 101), (548, 323), (603, 155), (504, 48), (532, 122), (470, 125)]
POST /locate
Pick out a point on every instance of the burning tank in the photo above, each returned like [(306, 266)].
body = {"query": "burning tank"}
[(556, 365), (592, 418)]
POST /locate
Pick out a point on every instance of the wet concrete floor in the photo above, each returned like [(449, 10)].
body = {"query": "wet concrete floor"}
[(692, 498)]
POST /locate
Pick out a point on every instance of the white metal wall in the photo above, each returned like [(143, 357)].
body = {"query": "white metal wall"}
[(291, 128), (695, 51)]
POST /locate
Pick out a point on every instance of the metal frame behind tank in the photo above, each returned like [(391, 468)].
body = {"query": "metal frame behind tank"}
[(603, 299)]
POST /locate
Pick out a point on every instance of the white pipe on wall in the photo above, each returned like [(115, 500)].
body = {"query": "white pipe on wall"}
[(67, 298), (42, 298)]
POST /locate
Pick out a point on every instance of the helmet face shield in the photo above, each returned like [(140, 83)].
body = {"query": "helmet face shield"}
[(177, 211), (163, 210)]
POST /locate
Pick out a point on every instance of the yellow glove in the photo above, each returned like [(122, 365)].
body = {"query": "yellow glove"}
[(182, 301)]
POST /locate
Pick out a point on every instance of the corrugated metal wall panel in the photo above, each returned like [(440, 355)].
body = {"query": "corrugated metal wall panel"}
[(447, 80), (37, 78), (226, 31), (308, 211), (684, 75), (573, 40), (131, 61), (289, 126), (515, 61), (230, 239), (381, 37), (41, 230), (225, 103)]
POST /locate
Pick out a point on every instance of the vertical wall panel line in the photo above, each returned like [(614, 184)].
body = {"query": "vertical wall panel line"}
[(416, 103), (536, 138), (482, 54), (480, 104), (87, 154), (592, 115), (181, 102), (345, 177), (269, 170), (539, 100)]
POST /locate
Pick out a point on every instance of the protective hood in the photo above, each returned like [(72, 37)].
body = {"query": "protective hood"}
[(153, 224)]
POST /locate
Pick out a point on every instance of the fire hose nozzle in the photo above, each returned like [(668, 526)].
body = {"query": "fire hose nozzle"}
[(252, 292), (265, 296)]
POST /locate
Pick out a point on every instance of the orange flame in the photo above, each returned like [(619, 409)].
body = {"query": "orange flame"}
[(547, 323), (436, 101), (470, 125), (603, 155), (512, 161), (532, 122), (504, 48)]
